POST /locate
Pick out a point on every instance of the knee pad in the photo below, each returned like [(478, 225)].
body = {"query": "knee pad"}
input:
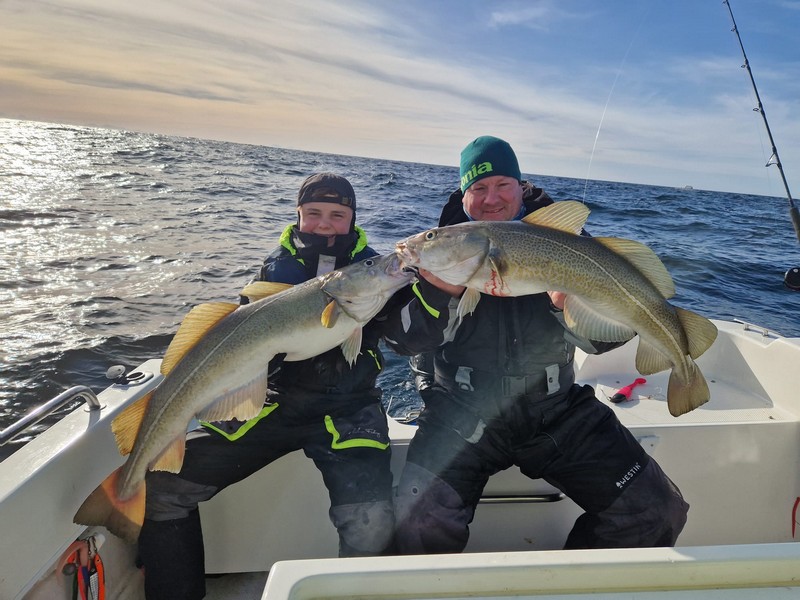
[(365, 529), (431, 516), (664, 501), (650, 513)]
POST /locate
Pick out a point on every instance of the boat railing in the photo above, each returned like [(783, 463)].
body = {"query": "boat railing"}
[(758, 329), (74, 393)]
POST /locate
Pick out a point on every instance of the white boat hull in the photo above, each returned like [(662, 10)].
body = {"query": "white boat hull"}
[(763, 571)]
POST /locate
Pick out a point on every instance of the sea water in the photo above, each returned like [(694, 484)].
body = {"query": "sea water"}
[(108, 238)]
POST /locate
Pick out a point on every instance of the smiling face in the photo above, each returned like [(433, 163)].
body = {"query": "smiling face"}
[(496, 198), (325, 219)]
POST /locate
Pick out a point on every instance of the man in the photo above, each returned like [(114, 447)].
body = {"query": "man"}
[(504, 393), (309, 403)]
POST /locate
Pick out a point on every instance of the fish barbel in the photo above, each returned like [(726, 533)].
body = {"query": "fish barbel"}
[(216, 369), (615, 288)]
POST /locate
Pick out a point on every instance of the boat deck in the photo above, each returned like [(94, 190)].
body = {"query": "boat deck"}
[(728, 404)]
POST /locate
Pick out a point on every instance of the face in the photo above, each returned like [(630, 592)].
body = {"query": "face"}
[(325, 219), (495, 198)]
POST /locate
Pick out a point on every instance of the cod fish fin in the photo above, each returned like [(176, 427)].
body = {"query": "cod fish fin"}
[(498, 262), (586, 322), (351, 347), (171, 458), (700, 332), (683, 397), (469, 300), (330, 315), (194, 326), (258, 290), (644, 259), (242, 403), (649, 360), (568, 215), (103, 507), (126, 424)]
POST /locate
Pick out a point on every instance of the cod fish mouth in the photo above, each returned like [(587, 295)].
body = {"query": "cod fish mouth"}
[(394, 266), (408, 257)]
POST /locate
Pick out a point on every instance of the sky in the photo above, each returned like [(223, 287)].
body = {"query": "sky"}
[(647, 91)]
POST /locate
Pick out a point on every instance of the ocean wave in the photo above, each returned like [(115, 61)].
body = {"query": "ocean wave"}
[(116, 235)]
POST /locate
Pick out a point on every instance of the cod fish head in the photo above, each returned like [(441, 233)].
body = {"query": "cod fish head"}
[(454, 253), (361, 289)]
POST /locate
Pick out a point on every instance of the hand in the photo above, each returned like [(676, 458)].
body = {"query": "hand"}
[(557, 299), (453, 290)]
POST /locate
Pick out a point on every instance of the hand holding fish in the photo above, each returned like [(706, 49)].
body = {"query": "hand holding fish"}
[(558, 299), (453, 290)]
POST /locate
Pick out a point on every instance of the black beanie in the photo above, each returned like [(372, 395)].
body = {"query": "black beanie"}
[(327, 187)]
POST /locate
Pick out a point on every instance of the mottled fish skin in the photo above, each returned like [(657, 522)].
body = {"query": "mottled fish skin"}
[(616, 288), (224, 375)]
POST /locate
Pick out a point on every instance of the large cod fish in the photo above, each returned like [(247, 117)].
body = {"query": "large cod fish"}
[(216, 369), (615, 287)]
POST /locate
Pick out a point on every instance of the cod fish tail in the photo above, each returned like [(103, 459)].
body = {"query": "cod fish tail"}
[(685, 396), (123, 518)]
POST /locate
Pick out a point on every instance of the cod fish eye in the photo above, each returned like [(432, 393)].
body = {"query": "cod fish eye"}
[(369, 262), (430, 235)]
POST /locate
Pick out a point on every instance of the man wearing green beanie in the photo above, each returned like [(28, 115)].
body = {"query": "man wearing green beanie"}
[(487, 156), (499, 391)]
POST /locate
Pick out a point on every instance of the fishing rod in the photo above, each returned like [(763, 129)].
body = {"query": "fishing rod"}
[(792, 278)]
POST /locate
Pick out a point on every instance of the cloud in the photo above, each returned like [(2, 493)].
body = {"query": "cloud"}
[(539, 15), (412, 80)]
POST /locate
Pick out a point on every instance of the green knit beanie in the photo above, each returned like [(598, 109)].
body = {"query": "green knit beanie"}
[(487, 156)]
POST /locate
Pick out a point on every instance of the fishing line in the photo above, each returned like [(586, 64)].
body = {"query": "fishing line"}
[(600, 125), (792, 277), (608, 101)]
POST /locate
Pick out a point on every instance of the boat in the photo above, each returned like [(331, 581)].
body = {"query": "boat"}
[(735, 460)]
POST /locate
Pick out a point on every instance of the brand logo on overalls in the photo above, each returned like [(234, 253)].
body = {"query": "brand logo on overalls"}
[(629, 475), (473, 172)]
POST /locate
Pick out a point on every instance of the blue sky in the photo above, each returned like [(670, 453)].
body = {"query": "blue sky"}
[(647, 91)]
